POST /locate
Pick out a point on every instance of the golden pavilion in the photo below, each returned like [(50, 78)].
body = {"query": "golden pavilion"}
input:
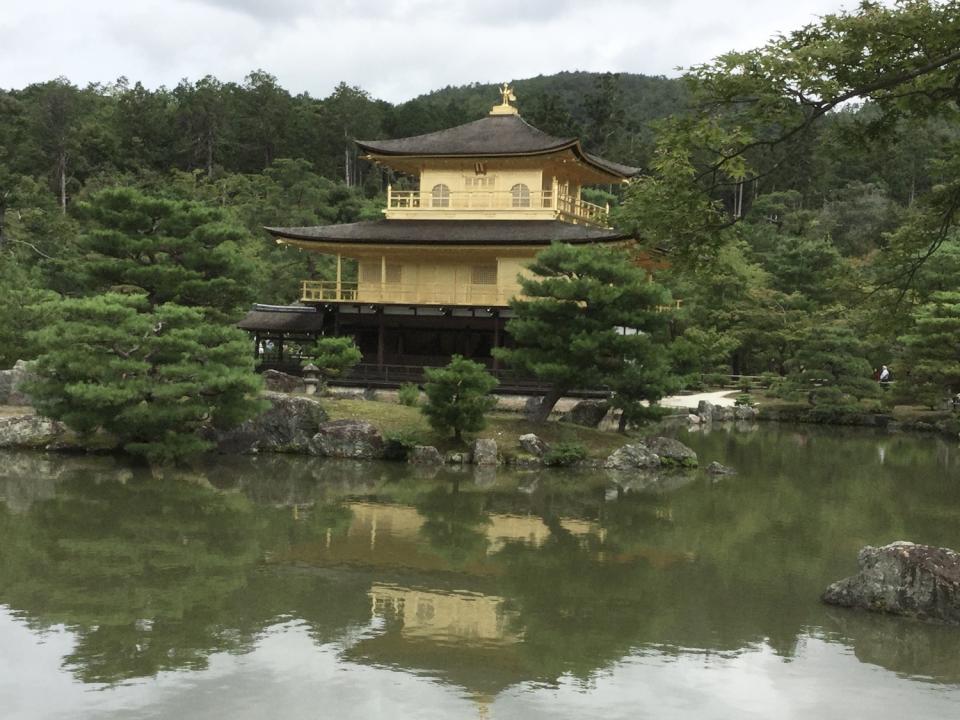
[(435, 275)]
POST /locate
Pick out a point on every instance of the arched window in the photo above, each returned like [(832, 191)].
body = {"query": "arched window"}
[(521, 195), (440, 196)]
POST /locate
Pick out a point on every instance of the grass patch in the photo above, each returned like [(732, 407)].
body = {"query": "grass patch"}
[(505, 428)]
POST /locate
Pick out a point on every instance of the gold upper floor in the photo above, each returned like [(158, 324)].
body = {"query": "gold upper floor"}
[(501, 190)]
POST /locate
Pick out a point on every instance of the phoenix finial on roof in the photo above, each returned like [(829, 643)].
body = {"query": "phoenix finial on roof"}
[(505, 108)]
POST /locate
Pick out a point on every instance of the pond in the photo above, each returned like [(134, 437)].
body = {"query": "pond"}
[(301, 588)]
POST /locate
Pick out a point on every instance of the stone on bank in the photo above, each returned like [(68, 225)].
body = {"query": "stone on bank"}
[(286, 426), (355, 439)]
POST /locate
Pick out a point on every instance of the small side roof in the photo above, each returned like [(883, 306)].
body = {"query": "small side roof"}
[(451, 232), (282, 318), (491, 136)]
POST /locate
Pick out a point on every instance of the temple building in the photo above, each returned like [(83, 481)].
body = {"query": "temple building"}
[(435, 276)]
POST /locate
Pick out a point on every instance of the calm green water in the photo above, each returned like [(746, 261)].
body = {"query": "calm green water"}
[(300, 588)]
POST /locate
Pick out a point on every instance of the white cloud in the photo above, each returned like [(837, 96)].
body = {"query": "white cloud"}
[(394, 49)]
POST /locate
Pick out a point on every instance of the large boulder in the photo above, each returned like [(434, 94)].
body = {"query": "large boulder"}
[(709, 412), (12, 382), (485, 451), (287, 426), (31, 431), (588, 413), (672, 452), (905, 579), (533, 445), (745, 412), (632, 457), (356, 439), (424, 455), (277, 381)]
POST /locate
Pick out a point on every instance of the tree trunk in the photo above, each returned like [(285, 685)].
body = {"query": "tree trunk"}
[(546, 405), (209, 154), (622, 425)]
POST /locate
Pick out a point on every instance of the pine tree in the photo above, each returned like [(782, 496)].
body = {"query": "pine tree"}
[(458, 396), (829, 364), (335, 355), (931, 357), (180, 252), (153, 378), (588, 317)]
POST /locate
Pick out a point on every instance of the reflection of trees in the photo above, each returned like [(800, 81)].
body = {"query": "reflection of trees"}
[(453, 523), (139, 570)]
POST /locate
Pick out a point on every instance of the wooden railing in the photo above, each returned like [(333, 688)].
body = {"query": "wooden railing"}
[(402, 293), (511, 381), (503, 200)]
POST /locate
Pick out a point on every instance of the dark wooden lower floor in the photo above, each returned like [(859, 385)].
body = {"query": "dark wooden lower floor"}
[(399, 342)]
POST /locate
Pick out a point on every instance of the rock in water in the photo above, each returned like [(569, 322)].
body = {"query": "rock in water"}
[(355, 439), (424, 455), (716, 468), (533, 445), (905, 579), (286, 427), (588, 413), (672, 452), (632, 457), (485, 451)]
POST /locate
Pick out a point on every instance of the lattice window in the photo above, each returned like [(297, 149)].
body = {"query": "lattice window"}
[(480, 182), (394, 272), (440, 196), (521, 195), (484, 274)]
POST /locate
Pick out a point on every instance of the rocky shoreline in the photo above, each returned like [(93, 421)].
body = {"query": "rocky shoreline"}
[(299, 424)]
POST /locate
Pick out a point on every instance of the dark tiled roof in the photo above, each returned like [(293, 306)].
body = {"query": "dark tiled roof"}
[(491, 136), (451, 232), (282, 318)]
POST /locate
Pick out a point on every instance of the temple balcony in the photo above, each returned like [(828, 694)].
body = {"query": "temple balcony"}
[(441, 294), (493, 205)]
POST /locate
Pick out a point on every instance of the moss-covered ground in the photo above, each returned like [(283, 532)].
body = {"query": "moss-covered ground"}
[(401, 420)]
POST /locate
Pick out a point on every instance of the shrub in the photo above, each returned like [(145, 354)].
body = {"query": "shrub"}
[(564, 454), (458, 396), (744, 400), (409, 394), (335, 355)]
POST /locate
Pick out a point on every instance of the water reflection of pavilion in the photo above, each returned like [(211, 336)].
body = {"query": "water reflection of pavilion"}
[(390, 535)]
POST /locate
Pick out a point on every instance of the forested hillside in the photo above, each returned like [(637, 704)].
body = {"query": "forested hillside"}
[(809, 209)]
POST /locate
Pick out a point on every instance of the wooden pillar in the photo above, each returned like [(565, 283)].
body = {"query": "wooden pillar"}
[(383, 278), (256, 346), (496, 339), (280, 349), (339, 277), (381, 331)]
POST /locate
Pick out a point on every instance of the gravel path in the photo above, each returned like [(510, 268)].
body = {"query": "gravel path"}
[(722, 397)]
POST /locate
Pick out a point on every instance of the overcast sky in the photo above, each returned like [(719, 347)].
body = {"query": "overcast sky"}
[(394, 50)]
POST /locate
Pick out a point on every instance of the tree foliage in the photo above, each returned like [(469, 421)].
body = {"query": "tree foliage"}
[(152, 377), (589, 317), (335, 355), (458, 396), (179, 252), (930, 362)]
